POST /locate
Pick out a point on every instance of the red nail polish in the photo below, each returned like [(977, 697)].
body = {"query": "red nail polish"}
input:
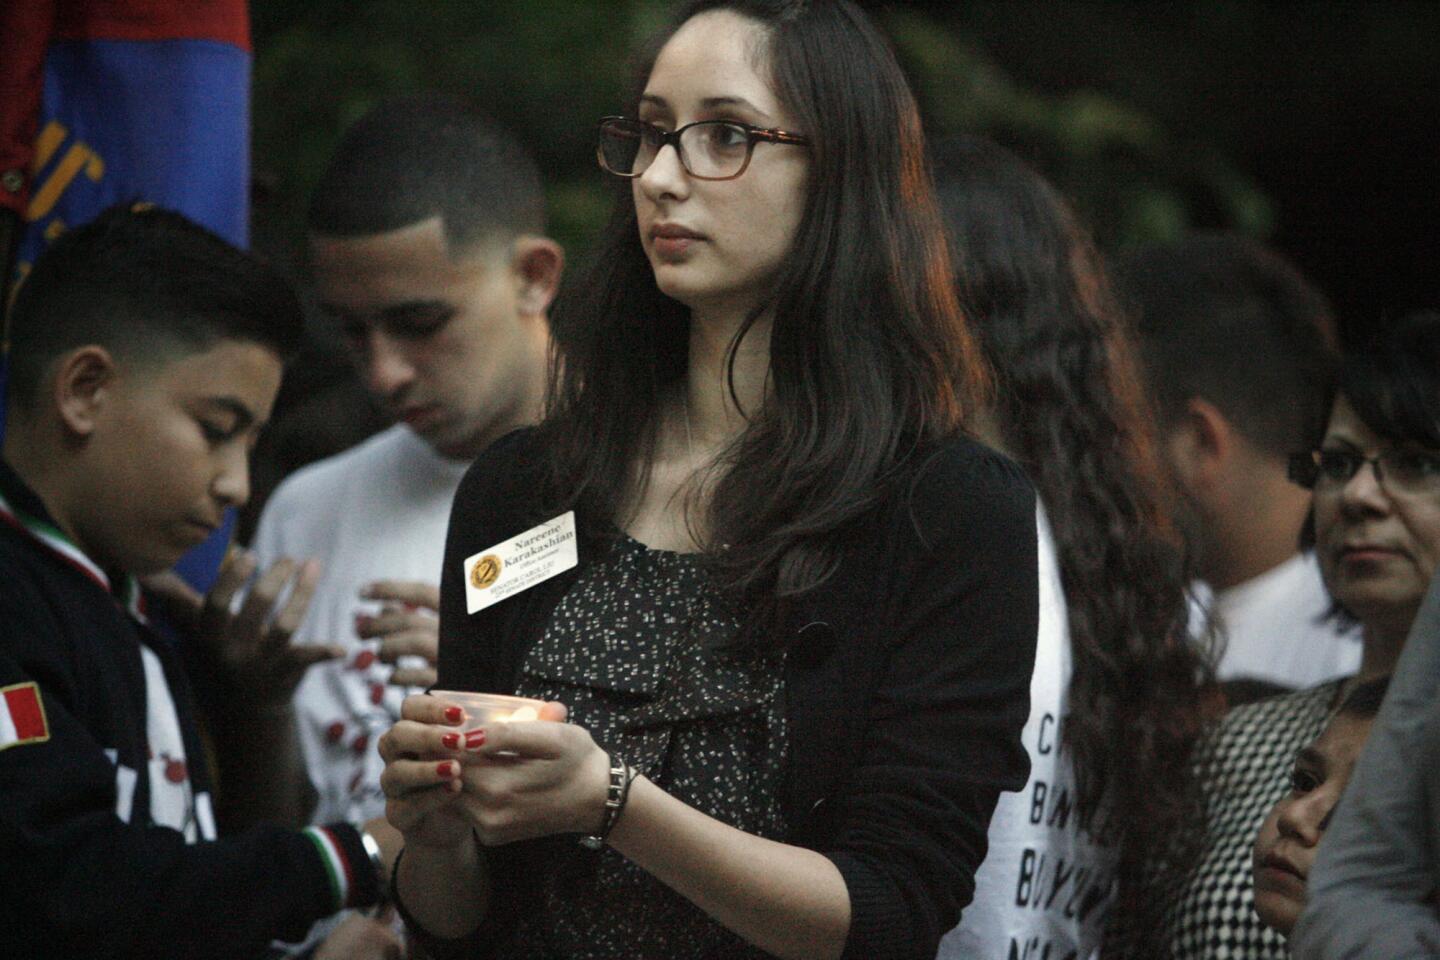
[(445, 768), (454, 714), (475, 739), (450, 741)]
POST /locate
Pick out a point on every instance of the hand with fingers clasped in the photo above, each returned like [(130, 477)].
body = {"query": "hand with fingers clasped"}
[(406, 626), (503, 781)]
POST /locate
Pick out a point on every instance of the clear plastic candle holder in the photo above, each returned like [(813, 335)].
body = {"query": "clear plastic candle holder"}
[(483, 708)]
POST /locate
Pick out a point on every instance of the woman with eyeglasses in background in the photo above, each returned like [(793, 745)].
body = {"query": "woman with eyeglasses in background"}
[(1375, 473), (796, 648)]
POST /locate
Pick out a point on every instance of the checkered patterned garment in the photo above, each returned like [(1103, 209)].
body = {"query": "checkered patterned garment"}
[(1244, 768)]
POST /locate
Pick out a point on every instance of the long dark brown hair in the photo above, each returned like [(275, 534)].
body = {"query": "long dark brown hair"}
[(870, 358), (1069, 405)]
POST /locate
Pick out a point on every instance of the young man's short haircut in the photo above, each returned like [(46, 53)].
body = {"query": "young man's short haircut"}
[(144, 283), (413, 158), (1224, 319)]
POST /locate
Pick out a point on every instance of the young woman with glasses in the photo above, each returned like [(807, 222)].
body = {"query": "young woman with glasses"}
[(796, 646), (1375, 473)]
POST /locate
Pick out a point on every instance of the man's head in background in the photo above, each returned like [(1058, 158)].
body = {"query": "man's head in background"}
[(1239, 352), (146, 353), (427, 241)]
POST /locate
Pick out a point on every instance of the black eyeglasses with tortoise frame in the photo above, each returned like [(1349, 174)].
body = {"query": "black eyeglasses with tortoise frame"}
[(708, 149)]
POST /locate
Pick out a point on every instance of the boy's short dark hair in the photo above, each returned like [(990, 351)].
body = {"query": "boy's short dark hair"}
[(144, 282), (1225, 319), (412, 158)]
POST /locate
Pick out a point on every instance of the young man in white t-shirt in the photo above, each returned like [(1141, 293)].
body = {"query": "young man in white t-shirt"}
[(426, 236)]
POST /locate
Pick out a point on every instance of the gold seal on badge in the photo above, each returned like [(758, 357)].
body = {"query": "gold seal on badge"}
[(486, 571)]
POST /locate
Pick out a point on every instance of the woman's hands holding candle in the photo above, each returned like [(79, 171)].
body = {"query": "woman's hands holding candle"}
[(422, 772), (524, 779), (534, 779), (506, 781)]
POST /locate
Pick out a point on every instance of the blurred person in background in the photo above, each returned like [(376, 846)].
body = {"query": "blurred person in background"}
[(1372, 892), (1284, 850), (1375, 473), (1115, 696), (426, 239), (1238, 349), (426, 236)]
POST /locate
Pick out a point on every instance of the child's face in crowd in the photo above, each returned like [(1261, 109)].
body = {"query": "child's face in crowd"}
[(441, 341), (1285, 847), (168, 451)]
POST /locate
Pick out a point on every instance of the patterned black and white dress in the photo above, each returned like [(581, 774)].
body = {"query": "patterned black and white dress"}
[(632, 650), (1244, 769)]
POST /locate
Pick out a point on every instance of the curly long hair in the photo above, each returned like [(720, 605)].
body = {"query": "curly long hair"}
[(870, 357), (1070, 407)]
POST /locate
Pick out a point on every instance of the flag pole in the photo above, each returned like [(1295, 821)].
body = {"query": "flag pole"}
[(12, 229)]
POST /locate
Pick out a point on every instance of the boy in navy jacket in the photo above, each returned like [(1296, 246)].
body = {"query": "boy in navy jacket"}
[(146, 354)]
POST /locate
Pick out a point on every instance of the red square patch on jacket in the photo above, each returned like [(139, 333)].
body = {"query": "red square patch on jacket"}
[(22, 716)]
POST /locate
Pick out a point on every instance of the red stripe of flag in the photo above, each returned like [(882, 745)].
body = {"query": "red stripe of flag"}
[(24, 36), (344, 863), (224, 21), (23, 704)]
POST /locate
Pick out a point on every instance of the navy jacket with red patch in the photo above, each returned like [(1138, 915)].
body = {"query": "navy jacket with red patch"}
[(84, 870)]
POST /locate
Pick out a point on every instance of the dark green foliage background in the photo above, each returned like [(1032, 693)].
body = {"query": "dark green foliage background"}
[(1307, 124)]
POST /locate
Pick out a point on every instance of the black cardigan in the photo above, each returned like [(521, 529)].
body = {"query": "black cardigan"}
[(906, 684)]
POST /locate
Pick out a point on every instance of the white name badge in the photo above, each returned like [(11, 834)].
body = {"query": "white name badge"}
[(520, 562)]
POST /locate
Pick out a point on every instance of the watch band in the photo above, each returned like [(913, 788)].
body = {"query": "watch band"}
[(616, 794)]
